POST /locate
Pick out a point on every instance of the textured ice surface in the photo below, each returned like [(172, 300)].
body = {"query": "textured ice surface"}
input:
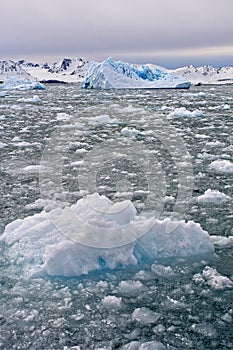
[(118, 75), (35, 244)]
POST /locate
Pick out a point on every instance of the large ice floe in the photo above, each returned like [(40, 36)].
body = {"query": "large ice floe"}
[(118, 75), (49, 243), (16, 83)]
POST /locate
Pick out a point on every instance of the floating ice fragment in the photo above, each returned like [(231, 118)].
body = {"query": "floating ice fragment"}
[(34, 99), (183, 112), (150, 345), (215, 280), (3, 145), (112, 302), (130, 288), (145, 316), (222, 166), (204, 328), (38, 245), (162, 271), (213, 196)]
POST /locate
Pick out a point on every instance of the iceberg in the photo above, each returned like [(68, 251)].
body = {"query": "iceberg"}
[(15, 83), (39, 247), (118, 75)]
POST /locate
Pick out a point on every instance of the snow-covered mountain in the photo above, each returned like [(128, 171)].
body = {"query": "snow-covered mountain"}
[(73, 70), (206, 74), (67, 70), (10, 68)]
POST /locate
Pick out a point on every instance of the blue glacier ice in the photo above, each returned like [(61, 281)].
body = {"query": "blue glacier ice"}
[(110, 74)]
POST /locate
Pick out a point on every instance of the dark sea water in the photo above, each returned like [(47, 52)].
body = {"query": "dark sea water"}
[(168, 165)]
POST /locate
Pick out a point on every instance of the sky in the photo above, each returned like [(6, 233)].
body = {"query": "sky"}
[(170, 33)]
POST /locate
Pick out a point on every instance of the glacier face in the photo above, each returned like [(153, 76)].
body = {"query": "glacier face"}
[(39, 246), (118, 75)]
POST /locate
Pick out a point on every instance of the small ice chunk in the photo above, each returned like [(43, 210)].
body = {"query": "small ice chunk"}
[(63, 116), (102, 119), (213, 196), (3, 145), (145, 316), (182, 112), (222, 165), (162, 271), (159, 329), (38, 204), (215, 280), (150, 345), (204, 328), (34, 99), (130, 287), (34, 169), (112, 302)]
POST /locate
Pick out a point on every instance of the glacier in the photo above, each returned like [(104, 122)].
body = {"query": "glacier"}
[(40, 246), (110, 74)]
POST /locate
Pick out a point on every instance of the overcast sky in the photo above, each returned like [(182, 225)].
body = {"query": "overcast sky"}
[(167, 32)]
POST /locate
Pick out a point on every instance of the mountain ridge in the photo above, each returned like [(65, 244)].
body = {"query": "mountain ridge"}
[(72, 70)]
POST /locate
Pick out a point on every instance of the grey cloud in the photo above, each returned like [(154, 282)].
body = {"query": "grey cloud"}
[(90, 26)]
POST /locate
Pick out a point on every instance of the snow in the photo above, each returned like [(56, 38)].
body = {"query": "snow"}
[(222, 166), (110, 74), (111, 235), (206, 74), (212, 196), (18, 83), (183, 112)]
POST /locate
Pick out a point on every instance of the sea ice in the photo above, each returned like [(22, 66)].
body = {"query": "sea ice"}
[(150, 345), (112, 302), (213, 278), (111, 235), (34, 99), (225, 166), (213, 196), (3, 145), (183, 112), (145, 316), (118, 75)]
